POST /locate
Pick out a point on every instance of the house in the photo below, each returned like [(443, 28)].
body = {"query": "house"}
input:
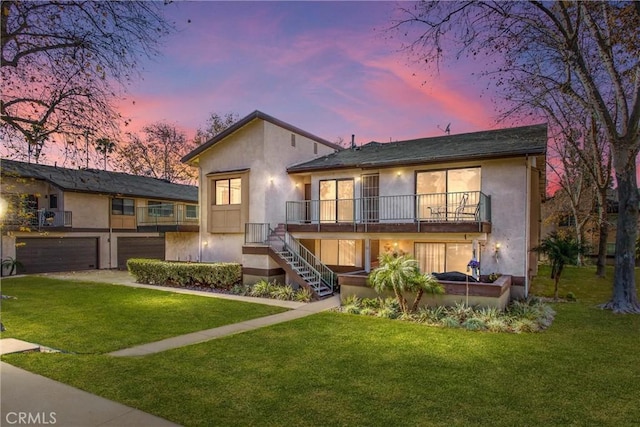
[(291, 206), (61, 219), (558, 218)]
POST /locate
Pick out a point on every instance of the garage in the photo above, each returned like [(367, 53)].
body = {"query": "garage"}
[(51, 254), (139, 247)]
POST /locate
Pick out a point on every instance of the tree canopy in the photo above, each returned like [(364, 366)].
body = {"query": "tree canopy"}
[(64, 63)]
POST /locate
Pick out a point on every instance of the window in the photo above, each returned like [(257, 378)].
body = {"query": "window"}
[(315, 148), (336, 200), (228, 191), (338, 252), (122, 207), (53, 201), (293, 139), (159, 209), (441, 192), (191, 211), (441, 257)]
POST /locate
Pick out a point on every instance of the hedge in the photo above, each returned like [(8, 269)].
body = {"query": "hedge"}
[(219, 275)]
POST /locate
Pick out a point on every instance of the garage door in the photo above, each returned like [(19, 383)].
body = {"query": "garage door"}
[(139, 247), (45, 255)]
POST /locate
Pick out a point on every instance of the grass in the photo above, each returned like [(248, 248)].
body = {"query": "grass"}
[(86, 317), (338, 369)]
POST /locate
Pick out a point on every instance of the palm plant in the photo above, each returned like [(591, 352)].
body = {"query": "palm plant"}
[(425, 283), (400, 273), (561, 250)]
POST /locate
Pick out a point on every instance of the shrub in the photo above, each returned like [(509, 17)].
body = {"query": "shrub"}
[(220, 275), (262, 289), (351, 300), (285, 293), (304, 295), (450, 322), (474, 324)]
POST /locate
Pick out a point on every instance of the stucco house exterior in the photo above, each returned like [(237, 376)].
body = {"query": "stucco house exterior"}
[(291, 206), (61, 219)]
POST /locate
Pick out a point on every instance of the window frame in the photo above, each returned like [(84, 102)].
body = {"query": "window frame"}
[(229, 197), (122, 210)]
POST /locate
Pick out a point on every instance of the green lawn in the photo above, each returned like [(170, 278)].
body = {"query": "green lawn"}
[(338, 369), (86, 317)]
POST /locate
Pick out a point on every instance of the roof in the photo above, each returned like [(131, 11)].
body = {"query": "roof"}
[(518, 141), (101, 182), (256, 115)]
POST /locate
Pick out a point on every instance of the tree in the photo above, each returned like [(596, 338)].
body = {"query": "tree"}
[(584, 52), (105, 147), (64, 62), (215, 125), (399, 274), (157, 154), (561, 250)]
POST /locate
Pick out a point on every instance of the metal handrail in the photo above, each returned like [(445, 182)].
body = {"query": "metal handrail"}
[(319, 271), (463, 206), (166, 214)]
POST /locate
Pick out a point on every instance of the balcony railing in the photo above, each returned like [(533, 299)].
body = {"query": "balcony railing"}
[(256, 233), (468, 206), (167, 214), (38, 219)]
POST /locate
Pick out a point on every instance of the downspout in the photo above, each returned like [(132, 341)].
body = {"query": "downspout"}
[(527, 228), (110, 235)]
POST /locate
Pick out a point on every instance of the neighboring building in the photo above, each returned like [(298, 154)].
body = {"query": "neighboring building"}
[(559, 219), (292, 206), (60, 219)]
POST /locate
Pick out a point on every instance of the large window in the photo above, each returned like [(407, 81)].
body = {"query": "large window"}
[(122, 207), (159, 209), (228, 191), (441, 257), (336, 200), (442, 191), (338, 252)]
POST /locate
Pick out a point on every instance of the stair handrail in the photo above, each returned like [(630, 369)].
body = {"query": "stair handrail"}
[(323, 274)]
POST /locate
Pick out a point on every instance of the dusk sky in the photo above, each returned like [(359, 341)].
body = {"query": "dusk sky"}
[(329, 68)]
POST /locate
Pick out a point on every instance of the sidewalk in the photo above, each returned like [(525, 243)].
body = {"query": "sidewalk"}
[(28, 398), (235, 328), (32, 399)]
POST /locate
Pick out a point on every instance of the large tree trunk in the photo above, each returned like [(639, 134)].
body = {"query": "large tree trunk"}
[(625, 296), (603, 233)]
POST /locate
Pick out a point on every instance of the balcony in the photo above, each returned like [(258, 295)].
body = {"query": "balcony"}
[(462, 212), (168, 217), (37, 219)]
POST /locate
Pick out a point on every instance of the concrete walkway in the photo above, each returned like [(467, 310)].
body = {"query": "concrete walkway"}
[(235, 328), (32, 399)]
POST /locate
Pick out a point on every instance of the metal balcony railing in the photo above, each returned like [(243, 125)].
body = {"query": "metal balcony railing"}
[(167, 214), (467, 206), (38, 219)]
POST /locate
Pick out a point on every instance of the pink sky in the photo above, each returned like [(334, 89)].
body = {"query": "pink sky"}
[(326, 67)]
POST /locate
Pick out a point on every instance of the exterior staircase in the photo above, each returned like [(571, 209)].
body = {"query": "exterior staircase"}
[(302, 266)]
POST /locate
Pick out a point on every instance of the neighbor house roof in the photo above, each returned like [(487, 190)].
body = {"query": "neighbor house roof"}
[(519, 141), (256, 115), (101, 182)]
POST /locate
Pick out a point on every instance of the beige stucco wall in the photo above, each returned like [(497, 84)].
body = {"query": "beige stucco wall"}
[(265, 149), (514, 203), (88, 210), (181, 246)]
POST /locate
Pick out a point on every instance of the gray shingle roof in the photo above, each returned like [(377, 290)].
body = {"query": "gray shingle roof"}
[(519, 141), (102, 182)]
